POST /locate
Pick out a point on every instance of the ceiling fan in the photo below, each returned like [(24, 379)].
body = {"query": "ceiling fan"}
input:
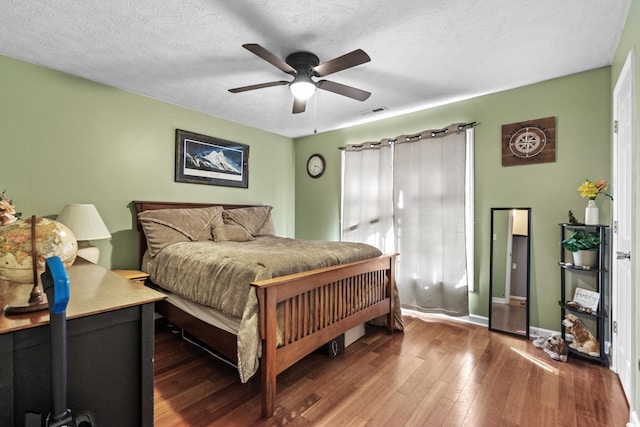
[(305, 65)]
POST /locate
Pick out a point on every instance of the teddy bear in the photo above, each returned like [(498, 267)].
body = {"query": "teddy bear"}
[(554, 346), (583, 339)]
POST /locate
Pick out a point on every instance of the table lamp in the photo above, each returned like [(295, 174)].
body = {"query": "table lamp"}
[(85, 223)]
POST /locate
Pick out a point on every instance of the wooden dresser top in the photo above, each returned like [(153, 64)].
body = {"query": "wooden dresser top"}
[(92, 290)]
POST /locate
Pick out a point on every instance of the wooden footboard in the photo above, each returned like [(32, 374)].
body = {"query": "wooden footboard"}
[(316, 307)]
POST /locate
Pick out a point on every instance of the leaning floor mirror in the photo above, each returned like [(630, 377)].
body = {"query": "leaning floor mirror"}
[(509, 271)]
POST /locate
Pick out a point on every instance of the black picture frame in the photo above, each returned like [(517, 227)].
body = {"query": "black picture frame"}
[(229, 166)]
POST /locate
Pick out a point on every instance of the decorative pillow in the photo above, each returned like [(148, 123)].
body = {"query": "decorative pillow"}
[(164, 227), (256, 220), (222, 232)]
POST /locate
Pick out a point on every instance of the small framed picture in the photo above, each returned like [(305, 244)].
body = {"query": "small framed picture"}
[(202, 159), (587, 299)]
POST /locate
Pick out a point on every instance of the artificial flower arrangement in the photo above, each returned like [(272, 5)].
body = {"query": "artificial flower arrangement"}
[(592, 189), (8, 212)]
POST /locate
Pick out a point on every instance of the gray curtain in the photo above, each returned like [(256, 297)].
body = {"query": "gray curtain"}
[(420, 207), (429, 199)]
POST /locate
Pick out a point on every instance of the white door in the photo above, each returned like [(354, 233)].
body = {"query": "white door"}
[(623, 245)]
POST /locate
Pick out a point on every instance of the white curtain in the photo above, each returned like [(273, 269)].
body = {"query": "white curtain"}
[(420, 207), (367, 182)]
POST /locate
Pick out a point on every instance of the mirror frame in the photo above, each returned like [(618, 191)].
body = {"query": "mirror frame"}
[(528, 278)]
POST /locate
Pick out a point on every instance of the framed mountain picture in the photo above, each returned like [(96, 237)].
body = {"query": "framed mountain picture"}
[(202, 159)]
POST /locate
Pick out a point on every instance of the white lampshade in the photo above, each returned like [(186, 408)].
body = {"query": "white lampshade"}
[(85, 223)]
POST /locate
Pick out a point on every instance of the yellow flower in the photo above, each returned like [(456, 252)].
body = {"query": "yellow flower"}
[(592, 189)]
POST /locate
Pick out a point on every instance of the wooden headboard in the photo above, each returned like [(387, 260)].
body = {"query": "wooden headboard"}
[(142, 206)]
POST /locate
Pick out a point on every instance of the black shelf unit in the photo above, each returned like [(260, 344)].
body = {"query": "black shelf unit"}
[(595, 279)]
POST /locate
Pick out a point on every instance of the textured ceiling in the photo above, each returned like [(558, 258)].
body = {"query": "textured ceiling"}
[(423, 53)]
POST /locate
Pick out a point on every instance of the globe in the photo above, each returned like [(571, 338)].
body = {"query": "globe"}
[(52, 239)]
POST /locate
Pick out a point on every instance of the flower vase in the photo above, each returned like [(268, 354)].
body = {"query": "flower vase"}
[(591, 213)]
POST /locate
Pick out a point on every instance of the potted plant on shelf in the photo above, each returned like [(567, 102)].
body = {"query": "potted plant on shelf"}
[(584, 245)]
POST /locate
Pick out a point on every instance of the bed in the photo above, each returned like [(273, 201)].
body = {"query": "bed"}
[(280, 304)]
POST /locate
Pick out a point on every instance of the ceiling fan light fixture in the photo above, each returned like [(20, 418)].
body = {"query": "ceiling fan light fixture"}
[(302, 87), (304, 66)]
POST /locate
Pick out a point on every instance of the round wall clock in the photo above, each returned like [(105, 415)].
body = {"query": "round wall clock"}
[(316, 165)]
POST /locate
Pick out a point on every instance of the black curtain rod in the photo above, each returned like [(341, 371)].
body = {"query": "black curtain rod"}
[(408, 138)]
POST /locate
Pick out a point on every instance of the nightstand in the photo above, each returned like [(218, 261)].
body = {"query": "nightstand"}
[(137, 277)]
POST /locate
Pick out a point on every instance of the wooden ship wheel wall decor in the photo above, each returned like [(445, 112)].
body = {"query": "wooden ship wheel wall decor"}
[(533, 141)]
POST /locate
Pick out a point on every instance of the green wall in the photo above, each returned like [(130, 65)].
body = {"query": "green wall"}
[(582, 107), (68, 140), (630, 40)]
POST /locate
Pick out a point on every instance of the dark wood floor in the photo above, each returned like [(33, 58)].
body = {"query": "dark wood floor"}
[(438, 372)]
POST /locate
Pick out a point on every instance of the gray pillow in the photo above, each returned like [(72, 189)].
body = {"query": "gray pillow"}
[(256, 220), (164, 227)]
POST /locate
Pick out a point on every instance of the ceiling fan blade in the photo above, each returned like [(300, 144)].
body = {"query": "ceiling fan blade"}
[(299, 105), (340, 89), (269, 57), (258, 86), (340, 63)]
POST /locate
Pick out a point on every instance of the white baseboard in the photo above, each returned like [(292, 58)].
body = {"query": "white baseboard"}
[(472, 318), (534, 331), (476, 320)]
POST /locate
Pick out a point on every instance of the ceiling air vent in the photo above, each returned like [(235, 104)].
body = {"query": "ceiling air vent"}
[(373, 111)]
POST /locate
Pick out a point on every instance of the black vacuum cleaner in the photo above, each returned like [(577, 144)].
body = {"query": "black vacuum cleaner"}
[(55, 283)]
